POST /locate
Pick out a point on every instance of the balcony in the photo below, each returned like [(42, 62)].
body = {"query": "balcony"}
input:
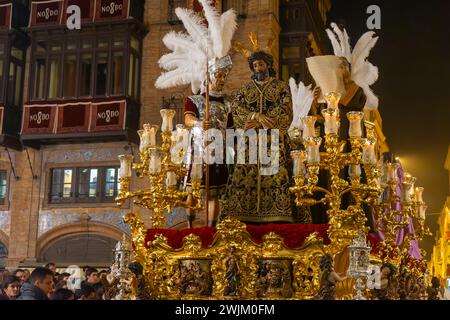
[(13, 44), (93, 120), (84, 85), (54, 12)]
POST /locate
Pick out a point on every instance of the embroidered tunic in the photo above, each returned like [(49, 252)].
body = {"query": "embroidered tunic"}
[(250, 196)]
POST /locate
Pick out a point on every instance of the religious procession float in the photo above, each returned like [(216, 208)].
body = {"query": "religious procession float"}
[(308, 207)]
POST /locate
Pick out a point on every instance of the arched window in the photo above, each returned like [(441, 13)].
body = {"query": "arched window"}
[(81, 249)]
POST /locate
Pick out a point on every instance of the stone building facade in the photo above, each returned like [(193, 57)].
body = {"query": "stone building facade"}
[(59, 168)]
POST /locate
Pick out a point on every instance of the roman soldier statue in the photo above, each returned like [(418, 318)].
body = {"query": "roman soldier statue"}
[(200, 58)]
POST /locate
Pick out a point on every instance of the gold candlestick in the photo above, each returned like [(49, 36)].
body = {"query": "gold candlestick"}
[(163, 175)]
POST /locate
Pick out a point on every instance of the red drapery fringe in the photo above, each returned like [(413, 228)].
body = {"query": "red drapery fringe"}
[(293, 234)]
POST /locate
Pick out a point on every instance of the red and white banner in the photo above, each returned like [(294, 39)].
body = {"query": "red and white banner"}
[(5, 14), (74, 117), (108, 116), (112, 9), (51, 12), (46, 12), (39, 119)]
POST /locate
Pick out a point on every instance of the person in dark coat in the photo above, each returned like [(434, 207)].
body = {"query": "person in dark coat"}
[(63, 294), (10, 288), (40, 285)]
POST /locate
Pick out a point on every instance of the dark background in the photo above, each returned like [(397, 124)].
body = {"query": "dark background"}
[(413, 57)]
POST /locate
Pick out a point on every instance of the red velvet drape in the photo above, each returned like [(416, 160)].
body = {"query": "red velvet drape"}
[(293, 234)]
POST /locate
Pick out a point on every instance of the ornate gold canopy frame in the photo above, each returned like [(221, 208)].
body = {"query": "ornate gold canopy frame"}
[(165, 267)]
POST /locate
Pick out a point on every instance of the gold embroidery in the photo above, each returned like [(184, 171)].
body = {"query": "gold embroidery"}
[(249, 195)]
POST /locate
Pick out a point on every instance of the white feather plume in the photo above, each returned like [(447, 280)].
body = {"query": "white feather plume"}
[(193, 24), (214, 26), (362, 70), (340, 41), (172, 61), (228, 24), (372, 100), (363, 73), (191, 51), (302, 98), (334, 42), (179, 42)]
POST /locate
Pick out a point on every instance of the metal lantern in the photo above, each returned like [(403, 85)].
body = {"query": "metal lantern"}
[(121, 272), (359, 263)]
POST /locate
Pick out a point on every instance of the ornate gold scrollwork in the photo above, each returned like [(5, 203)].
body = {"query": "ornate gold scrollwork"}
[(232, 267)]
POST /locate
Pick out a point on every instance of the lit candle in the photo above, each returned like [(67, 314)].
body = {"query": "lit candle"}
[(125, 165), (355, 119), (143, 145), (406, 191), (308, 127), (354, 170), (368, 154), (152, 131), (299, 157), (148, 136), (392, 172), (313, 149), (197, 172), (155, 161), (333, 99), (422, 211), (413, 188), (180, 143), (331, 120), (419, 194), (171, 179), (167, 119)]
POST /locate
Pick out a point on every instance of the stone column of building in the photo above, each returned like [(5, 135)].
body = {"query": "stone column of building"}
[(24, 209)]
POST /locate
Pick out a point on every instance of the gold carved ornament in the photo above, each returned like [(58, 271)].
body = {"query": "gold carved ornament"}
[(165, 267)]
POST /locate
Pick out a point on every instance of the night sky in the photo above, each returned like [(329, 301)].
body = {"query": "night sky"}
[(413, 57)]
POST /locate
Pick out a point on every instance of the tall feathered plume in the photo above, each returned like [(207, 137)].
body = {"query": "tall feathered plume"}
[(185, 65), (191, 51), (340, 42), (302, 98), (221, 27), (363, 73), (194, 25)]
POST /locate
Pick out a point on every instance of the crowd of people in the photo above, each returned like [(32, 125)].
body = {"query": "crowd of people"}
[(45, 283)]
